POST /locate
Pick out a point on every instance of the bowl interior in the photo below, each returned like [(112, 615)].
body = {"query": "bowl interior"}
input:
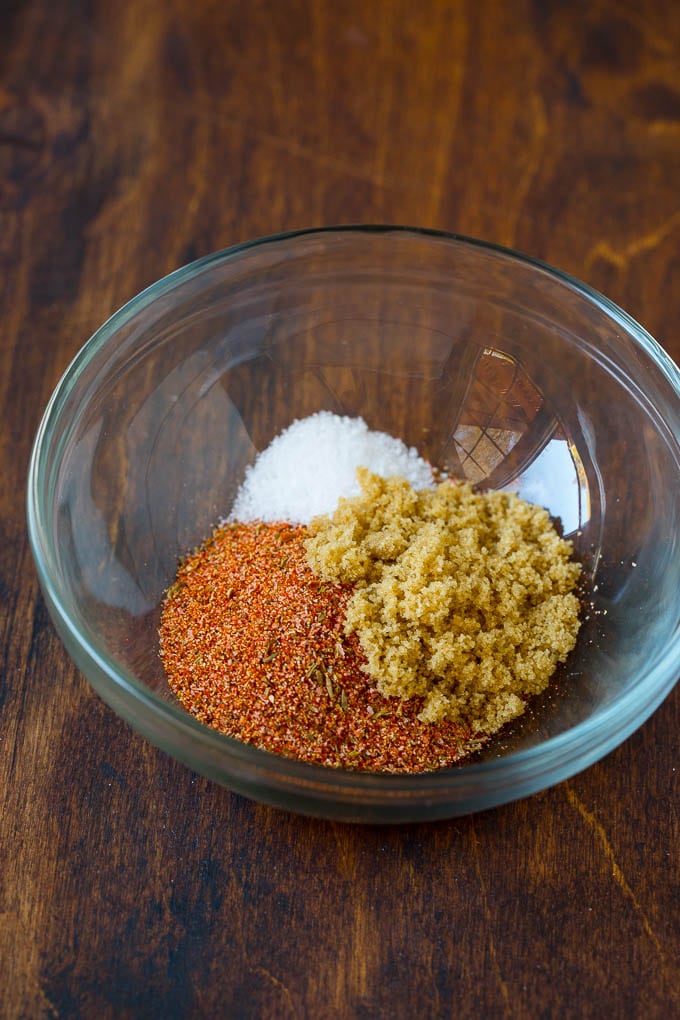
[(496, 369)]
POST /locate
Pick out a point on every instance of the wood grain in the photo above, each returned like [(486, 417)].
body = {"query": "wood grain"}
[(137, 135)]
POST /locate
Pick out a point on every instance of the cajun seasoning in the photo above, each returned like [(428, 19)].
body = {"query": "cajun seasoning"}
[(254, 645)]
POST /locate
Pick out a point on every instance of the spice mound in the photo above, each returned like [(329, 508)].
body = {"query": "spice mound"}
[(352, 613), (255, 644), (462, 599)]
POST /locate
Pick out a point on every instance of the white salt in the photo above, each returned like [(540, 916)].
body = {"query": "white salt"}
[(307, 468)]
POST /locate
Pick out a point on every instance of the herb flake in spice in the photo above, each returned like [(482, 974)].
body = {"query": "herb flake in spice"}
[(254, 646)]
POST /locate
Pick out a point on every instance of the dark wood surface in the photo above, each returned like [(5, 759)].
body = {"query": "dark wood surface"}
[(136, 135)]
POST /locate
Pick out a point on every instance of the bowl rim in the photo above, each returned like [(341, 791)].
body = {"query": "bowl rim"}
[(554, 759)]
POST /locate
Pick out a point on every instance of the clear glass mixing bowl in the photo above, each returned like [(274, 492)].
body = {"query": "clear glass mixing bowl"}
[(497, 368)]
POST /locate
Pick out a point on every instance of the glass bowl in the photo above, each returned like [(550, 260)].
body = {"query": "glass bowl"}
[(497, 368)]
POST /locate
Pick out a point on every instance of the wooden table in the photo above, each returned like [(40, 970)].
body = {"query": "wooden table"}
[(135, 136)]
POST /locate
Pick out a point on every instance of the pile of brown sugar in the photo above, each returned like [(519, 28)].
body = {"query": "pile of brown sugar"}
[(462, 599)]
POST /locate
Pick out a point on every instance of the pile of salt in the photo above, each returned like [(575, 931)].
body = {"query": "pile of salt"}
[(307, 468)]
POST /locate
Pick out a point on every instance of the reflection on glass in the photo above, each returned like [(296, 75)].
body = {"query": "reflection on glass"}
[(555, 480), (505, 438), (502, 407)]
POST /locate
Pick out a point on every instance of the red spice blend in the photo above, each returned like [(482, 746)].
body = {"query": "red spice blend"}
[(253, 645)]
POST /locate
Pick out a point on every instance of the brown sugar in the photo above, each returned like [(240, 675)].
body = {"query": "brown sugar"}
[(462, 599)]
